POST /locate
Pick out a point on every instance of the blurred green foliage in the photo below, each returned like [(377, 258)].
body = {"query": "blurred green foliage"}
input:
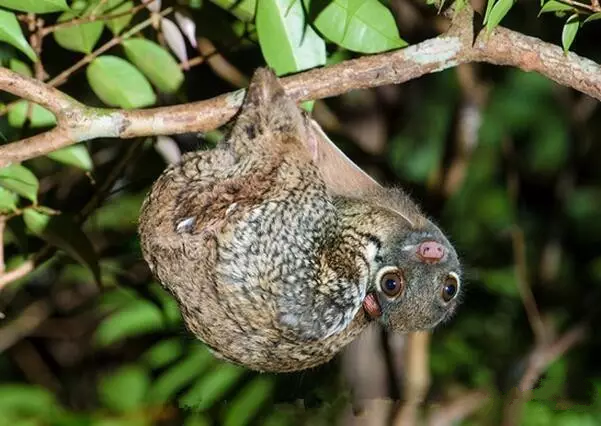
[(520, 155)]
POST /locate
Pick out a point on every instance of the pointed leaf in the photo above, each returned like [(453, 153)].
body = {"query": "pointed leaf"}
[(163, 353), (79, 38), (74, 155), (175, 39), (365, 26), (62, 232), (117, 25), (288, 43), (489, 5), (124, 389), (497, 13), (20, 180), (35, 6), (145, 55), (10, 32), (555, 6), (570, 29), (8, 201), (118, 83), (39, 116), (593, 17)]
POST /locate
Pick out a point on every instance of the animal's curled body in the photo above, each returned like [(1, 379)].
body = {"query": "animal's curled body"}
[(274, 265)]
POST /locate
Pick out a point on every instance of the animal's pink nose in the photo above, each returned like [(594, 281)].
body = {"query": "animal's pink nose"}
[(431, 251)]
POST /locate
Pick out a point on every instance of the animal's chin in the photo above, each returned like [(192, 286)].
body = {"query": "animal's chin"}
[(371, 305)]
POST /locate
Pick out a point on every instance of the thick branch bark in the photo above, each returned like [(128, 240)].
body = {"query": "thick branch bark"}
[(502, 47)]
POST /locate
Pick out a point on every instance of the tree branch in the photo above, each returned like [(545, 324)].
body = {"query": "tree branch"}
[(456, 46)]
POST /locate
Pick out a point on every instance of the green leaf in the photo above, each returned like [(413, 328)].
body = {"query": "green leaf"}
[(20, 67), (365, 26), (570, 29), (79, 38), (178, 376), (248, 401), (497, 13), (489, 5), (211, 387), (593, 17), (288, 43), (241, 9), (197, 419), (19, 179), (38, 116), (118, 83), (62, 232), (27, 400), (35, 6), (163, 353), (135, 319), (555, 6), (125, 389), (74, 155), (117, 25), (8, 201), (146, 55), (10, 32)]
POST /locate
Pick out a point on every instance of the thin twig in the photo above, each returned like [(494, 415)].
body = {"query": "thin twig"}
[(456, 410), (59, 79), (501, 47), (92, 18), (590, 7), (521, 272)]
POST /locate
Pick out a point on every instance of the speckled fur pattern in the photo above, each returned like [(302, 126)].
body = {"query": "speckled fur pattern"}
[(269, 268)]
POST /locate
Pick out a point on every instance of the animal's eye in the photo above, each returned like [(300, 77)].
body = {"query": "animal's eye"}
[(450, 288), (392, 283)]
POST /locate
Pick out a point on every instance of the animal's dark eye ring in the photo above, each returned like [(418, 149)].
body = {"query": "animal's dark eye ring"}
[(392, 282), (450, 287)]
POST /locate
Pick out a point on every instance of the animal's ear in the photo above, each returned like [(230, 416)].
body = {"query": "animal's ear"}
[(341, 175)]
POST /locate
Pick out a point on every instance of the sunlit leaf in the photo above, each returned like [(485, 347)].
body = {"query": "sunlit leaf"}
[(82, 37), (10, 32), (74, 155), (555, 6), (179, 375), (288, 43), (38, 115), (62, 232), (8, 201), (593, 17), (118, 83), (570, 29), (35, 6), (17, 178), (212, 386), (145, 55), (359, 25), (116, 25), (124, 389), (497, 13), (248, 401)]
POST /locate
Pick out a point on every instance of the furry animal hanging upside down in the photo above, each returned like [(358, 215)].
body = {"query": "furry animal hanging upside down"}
[(280, 251)]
